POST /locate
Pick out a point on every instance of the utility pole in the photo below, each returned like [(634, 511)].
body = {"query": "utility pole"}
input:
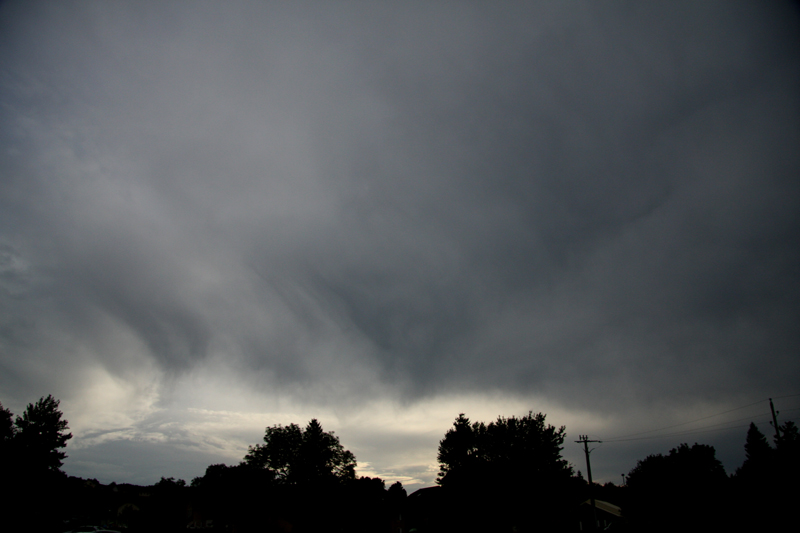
[(775, 422), (585, 440)]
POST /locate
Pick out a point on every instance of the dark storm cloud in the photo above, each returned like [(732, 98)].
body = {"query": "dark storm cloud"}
[(565, 199), (619, 206)]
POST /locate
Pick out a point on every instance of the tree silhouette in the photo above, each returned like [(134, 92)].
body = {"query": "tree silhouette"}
[(756, 446), (766, 478), (525, 446), (40, 434), (7, 429), (691, 478), (510, 472), (458, 450), (789, 432), (788, 452), (31, 464), (397, 492), (789, 439), (170, 483), (7, 433), (235, 497), (759, 457), (301, 456)]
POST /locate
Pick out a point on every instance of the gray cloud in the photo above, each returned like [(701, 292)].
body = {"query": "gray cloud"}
[(593, 204)]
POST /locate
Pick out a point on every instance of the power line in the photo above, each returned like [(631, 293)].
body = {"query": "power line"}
[(790, 396), (626, 437), (681, 433), (704, 429)]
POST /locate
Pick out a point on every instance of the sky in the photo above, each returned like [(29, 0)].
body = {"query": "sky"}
[(220, 216)]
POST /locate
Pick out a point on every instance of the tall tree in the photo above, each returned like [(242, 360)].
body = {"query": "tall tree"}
[(692, 478), (458, 449), (31, 461), (507, 445), (6, 424), (790, 436), (759, 457), (788, 450), (279, 451), (756, 445), (41, 434), (7, 433), (302, 456), (509, 472)]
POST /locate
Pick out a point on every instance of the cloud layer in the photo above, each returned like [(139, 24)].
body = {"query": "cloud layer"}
[(334, 206)]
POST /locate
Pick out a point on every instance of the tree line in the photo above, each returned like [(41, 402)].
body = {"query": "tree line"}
[(761, 491), (504, 475)]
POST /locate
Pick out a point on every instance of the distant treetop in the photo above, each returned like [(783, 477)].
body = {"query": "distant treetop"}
[(301, 456), (523, 446)]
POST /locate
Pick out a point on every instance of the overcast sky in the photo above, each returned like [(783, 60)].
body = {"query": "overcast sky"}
[(219, 216)]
